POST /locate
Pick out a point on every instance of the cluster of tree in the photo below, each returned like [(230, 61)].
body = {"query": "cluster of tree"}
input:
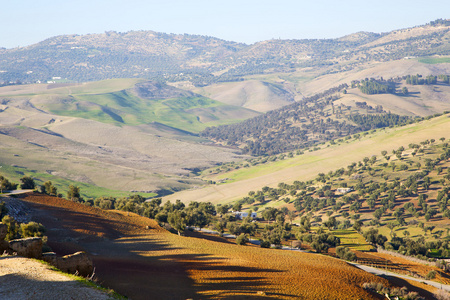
[(177, 214), (439, 22), (372, 186), (308, 123), (419, 80), (418, 248), (299, 125), (320, 241), (368, 122), (372, 86)]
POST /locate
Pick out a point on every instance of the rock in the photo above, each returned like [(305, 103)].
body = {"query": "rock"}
[(29, 247), (78, 261), (50, 257)]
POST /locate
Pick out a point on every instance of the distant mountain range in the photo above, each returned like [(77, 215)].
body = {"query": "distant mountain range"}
[(203, 60)]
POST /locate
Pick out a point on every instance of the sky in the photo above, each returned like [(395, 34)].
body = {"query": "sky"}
[(25, 22)]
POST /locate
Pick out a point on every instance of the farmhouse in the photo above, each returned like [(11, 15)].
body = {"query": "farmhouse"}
[(241, 215), (344, 190)]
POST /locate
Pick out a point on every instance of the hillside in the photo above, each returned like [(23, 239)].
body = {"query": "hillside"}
[(269, 171), (128, 102), (256, 95), (140, 133), (204, 60), (141, 263)]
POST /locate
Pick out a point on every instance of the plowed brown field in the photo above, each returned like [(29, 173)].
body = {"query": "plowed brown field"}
[(155, 264)]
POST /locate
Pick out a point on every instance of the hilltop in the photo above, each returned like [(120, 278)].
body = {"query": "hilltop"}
[(204, 60)]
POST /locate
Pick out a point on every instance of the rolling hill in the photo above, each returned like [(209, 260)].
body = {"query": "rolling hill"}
[(252, 94), (140, 133), (239, 181)]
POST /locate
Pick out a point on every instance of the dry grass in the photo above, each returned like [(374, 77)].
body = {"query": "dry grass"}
[(251, 94)]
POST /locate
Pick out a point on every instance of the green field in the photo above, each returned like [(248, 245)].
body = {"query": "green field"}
[(188, 113), (352, 239), (434, 60), (87, 190)]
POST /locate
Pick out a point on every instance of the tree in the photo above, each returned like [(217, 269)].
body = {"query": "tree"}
[(31, 229), (13, 227), (405, 90), (391, 225), (198, 218), (331, 223), (5, 184), (237, 206), (220, 226), (345, 253), (27, 183), (73, 193), (3, 210), (177, 219), (242, 239), (48, 188), (222, 209), (269, 213), (291, 216)]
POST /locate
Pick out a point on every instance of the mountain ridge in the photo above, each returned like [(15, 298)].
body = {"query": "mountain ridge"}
[(178, 57)]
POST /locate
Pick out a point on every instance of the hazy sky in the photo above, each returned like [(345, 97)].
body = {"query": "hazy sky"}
[(25, 22)]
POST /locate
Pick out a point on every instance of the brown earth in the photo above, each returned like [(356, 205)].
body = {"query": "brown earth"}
[(154, 264)]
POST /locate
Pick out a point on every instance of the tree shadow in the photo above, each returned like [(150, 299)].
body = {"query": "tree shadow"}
[(138, 267), (403, 283)]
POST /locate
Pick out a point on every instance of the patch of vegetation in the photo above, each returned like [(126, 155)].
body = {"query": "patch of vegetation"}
[(399, 293), (316, 119)]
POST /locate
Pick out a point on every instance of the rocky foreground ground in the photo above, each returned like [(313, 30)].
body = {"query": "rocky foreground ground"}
[(23, 278)]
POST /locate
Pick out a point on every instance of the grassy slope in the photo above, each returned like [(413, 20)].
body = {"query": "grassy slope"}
[(307, 166), (62, 184), (110, 101)]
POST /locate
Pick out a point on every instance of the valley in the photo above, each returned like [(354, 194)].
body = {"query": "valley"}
[(338, 147)]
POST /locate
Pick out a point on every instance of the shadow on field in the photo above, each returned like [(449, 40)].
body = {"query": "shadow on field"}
[(401, 282), (225, 280), (142, 264), (124, 266)]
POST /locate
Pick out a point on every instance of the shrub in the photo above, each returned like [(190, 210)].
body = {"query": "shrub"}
[(242, 239), (431, 275), (264, 244), (345, 253), (31, 229)]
